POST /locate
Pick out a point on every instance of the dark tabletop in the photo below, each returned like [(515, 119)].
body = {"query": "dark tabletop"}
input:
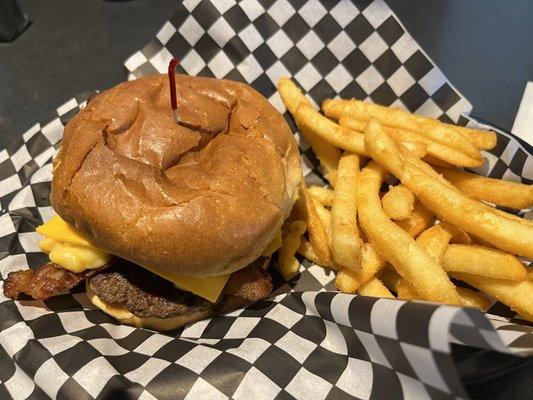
[(75, 46), (482, 46)]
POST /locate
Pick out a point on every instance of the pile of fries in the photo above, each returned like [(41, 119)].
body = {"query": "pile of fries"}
[(399, 219)]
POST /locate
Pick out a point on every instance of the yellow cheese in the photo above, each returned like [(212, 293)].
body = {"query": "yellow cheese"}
[(72, 250), (208, 287), (62, 231), (73, 257)]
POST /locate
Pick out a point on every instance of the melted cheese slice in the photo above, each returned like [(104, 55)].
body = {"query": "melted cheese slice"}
[(73, 257), (209, 287), (62, 231), (73, 250)]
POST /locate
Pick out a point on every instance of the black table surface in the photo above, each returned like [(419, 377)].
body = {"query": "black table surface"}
[(73, 46)]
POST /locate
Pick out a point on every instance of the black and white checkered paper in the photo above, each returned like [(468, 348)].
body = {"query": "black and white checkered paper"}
[(306, 340)]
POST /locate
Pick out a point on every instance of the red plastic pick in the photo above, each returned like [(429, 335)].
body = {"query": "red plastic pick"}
[(172, 82)]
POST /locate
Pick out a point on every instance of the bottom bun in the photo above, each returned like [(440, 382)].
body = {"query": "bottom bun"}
[(122, 315)]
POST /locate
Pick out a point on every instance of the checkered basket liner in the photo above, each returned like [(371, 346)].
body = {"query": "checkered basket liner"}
[(306, 340)]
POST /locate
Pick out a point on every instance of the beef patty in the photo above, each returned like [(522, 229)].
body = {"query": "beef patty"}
[(146, 294)]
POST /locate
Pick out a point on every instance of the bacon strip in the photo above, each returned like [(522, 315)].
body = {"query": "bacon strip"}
[(42, 283), (252, 283)]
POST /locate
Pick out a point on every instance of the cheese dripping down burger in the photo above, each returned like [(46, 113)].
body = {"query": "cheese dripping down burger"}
[(168, 223)]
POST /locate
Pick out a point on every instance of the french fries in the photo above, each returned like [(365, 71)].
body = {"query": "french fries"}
[(306, 250), (390, 278), (431, 226), (457, 235), (514, 217), (421, 218), (348, 281), (443, 133), (287, 262), (325, 216), (484, 140), (328, 130), (405, 291), (430, 171), (471, 215), (435, 241), (516, 295), (315, 228), (448, 135), (398, 202), (375, 288), (451, 205), (415, 149), (434, 149), (435, 162), (474, 299), (468, 297), (394, 244), (497, 191), (321, 194), (290, 94), (483, 261), (327, 154), (345, 240)]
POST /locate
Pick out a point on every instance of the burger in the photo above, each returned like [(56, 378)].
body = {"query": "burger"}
[(167, 222)]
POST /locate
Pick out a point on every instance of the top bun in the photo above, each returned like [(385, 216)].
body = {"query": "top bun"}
[(203, 197)]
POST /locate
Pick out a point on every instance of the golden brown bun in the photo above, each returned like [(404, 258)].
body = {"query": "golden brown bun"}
[(204, 197), (123, 316)]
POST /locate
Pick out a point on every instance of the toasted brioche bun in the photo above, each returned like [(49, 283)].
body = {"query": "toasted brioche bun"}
[(123, 316), (199, 198)]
